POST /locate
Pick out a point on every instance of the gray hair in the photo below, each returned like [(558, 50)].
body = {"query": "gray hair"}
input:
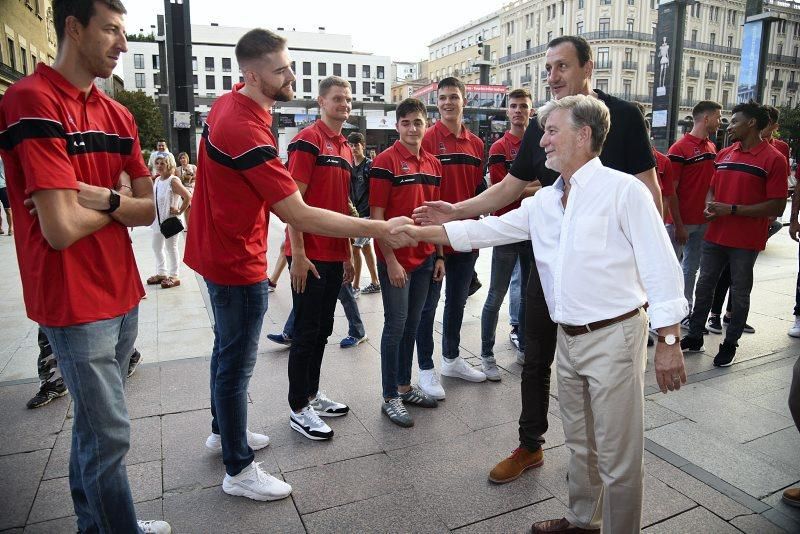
[(584, 111)]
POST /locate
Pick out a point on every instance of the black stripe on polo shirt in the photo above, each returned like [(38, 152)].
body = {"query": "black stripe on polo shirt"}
[(742, 167), (700, 158), (496, 158), (676, 157), (381, 173), (333, 161), (303, 146), (459, 159), (76, 142), (418, 178), (30, 129), (252, 158), (91, 142)]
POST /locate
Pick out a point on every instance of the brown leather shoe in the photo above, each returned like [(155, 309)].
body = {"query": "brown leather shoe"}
[(516, 464), (559, 525), (792, 497)]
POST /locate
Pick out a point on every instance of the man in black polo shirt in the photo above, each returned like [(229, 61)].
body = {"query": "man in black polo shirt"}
[(627, 148)]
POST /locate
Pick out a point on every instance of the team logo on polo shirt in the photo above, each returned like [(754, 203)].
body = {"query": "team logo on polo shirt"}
[(696, 151), (404, 166), (513, 152), (328, 146), (728, 157), (442, 149)]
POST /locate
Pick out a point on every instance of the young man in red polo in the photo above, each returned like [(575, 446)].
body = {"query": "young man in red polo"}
[(461, 154), (506, 257), (402, 177), (65, 146), (749, 187), (321, 162), (692, 159), (239, 180)]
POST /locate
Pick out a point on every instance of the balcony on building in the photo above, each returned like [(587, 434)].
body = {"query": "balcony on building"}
[(712, 75), (9, 73), (777, 84), (507, 83), (630, 65), (603, 65), (692, 73), (526, 79), (729, 78), (651, 68), (791, 86)]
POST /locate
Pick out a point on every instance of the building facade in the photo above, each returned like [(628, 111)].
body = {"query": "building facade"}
[(454, 53), (27, 37)]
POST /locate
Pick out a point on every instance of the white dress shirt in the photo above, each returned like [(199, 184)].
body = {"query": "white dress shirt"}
[(605, 254)]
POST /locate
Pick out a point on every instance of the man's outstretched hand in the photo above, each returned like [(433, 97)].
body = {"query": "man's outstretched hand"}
[(434, 212), (395, 237)]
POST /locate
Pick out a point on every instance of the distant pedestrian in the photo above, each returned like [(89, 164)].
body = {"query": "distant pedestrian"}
[(359, 196), (4, 201), (186, 172)]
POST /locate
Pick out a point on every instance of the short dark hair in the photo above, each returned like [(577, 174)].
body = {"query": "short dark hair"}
[(520, 93), (453, 82), (255, 43), (705, 106), (356, 138), (753, 110), (83, 10), (161, 141), (581, 46), (330, 82), (411, 105), (773, 113)]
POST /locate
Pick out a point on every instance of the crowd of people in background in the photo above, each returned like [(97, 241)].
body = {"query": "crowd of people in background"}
[(577, 200)]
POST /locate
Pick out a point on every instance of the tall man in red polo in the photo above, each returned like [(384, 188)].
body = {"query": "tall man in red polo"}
[(239, 178), (321, 162), (65, 145), (692, 159), (749, 187), (461, 154)]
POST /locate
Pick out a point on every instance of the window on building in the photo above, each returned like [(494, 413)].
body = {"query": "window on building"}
[(691, 62), (306, 85), (337, 69), (33, 60), (322, 69), (380, 74), (139, 79), (194, 81), (789, 101), (226, 83), (549, 36), (602, 58), (631, 2), (712, 38), (306, 68), (727, 68), (580, 6), (138, 61), (795, 51), (562, 7), (579, 28), (791, 76), (156, 61), (652, 58), (209, 64), (694, 36), (708, 93), (602, 85), (777, 75), (352, 87), (351, 71), (226, 64), (605, 25), (379, 88), (629, 25), (605, 2), (626, 89), (194, 63), (23, 56), (211, 82), (730, 41), (774, 100), (628, 55), (508, 50), (157, 79), (710, 66), (725, 99), (365, 88), (366, 71), (527, 44), (690, 94)]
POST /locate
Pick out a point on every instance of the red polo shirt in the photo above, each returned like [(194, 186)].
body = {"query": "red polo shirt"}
[(399, 182), (501, 155), (239, 176), (781, 147), (51, 137), (692, 168), (746, 177), (323, 160)]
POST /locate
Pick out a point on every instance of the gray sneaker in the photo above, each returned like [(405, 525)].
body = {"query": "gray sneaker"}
[(325, 407), (419, 398), (489, 366), (396, 412)]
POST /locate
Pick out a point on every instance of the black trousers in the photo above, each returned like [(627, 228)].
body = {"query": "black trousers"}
[(313, 323), (540, 350)]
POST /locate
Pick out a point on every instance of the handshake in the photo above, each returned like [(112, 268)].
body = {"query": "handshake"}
[(403, 232)]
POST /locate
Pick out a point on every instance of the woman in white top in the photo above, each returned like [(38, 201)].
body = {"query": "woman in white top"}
[(186, 172), (171, 200)]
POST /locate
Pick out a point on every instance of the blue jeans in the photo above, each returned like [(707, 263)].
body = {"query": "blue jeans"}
[(459, 267), (93, 358), (715, 258), (692, 251), (402, 309), (355, 326), (238, 316), (515, 296), (504, 260)]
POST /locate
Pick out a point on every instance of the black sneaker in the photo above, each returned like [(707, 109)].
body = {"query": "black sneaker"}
[(747, 328), (474, 285), (136, 358), (714, 324), (726, 355), (47, 393), (692, 344)]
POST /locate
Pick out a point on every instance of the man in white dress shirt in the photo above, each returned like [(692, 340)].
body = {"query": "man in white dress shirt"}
[(602, 253)]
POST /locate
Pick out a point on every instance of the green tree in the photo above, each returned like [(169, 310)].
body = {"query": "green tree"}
[(790, 127), (148, 117)]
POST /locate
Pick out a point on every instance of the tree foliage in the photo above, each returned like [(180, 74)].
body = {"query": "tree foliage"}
[(790, 127), (147, 114)]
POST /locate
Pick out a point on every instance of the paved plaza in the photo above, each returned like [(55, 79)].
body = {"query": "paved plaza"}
[(719, 452)]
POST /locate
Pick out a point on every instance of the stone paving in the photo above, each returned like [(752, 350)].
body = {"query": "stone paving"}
[(719, 452)]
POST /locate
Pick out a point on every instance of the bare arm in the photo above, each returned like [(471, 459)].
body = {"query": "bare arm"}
[(681, 235), (63, 219), (650, 179), (531, 189), (397, 275), (137, 210), (770, 208), (430, 234), (186, 196)]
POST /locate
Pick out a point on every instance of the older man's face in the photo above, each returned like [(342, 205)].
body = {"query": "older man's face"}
[(559, 140)]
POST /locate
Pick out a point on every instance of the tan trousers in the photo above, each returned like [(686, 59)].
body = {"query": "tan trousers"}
[(601, 396)]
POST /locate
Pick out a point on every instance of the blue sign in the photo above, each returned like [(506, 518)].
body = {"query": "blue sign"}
[(751, 52)]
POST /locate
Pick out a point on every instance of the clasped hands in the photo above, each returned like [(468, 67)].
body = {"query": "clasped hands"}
[(403, 232)]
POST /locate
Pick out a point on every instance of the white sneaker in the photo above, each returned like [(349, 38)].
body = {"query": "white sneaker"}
[(325, 407), (430, 385), (255, 484), (256, 441), (489, 366), (794, 331), (308, 423), (154, 527), (458, 368)]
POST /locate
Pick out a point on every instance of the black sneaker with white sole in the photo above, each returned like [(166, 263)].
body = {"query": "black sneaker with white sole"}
[(325, 407), (747, 328), (418, 397), (692, 344), (714, 324), (308, 423), (136, 359), (726, 355), (47, 393)]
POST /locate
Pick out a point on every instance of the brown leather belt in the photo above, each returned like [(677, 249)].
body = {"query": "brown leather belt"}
[(597, 325)]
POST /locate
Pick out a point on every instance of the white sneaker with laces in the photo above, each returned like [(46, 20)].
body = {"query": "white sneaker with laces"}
[(252, 482), (256, 441), (458, 368), (308, 423), (794, 331), (429, 383), (325, 407), (154, 527)]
